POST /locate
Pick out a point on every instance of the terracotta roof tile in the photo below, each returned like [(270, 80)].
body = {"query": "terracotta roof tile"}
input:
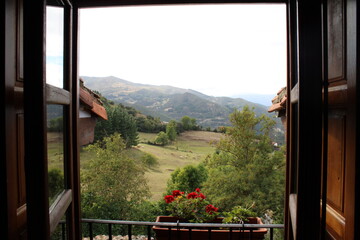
[(100, 111), (279, 101), (86, 98), (275, 107), (91, 101)]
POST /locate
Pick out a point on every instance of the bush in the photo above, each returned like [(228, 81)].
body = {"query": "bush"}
[(149, 160), (56, 124), (188, 178), (56, 183), (161, 139)]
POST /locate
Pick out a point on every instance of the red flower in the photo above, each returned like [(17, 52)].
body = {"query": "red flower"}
[(211, 209), (202, 196), (192, 195), (176, 193), (169, 198), (198, 190)]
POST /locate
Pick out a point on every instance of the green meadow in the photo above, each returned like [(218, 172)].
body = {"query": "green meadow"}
[(190, 147)]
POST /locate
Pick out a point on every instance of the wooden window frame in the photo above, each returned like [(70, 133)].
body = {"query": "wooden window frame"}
[(42, 221), (306, 94), (304, 135)]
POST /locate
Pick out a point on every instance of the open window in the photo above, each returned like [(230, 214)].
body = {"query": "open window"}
[(307, 130), (51, 110)]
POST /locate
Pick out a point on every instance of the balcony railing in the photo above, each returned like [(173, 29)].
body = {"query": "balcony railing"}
[(150, 234)]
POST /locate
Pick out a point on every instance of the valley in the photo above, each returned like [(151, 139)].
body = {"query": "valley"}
[(167, 102)]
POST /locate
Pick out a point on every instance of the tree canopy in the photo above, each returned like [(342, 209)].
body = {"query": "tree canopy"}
[(113, 185), (161, 139), (119, 121), (245, 168), (171, 130), (189, 123), (187, 178)]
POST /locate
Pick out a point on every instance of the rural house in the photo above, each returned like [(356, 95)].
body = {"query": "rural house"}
[(279, 105), (90, 110)]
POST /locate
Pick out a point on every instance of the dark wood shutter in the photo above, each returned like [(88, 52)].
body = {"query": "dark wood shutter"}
[(304, 135), (339, 134), (322, 133)]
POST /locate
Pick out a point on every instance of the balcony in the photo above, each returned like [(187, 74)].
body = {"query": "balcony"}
[(236, 231)]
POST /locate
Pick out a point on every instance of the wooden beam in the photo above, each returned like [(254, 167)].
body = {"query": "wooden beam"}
[(59, 208), (294, 95), (55, 95), (292, 209)]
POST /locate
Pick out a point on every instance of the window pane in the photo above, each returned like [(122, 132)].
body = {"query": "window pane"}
[(55, 141), (55, 46)]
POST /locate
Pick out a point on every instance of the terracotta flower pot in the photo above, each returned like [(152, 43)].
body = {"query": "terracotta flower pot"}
[(162, 233)]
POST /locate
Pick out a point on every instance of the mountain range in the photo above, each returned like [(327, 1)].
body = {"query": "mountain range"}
[(169, 102)]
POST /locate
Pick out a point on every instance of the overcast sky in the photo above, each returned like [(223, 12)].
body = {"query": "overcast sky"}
[(220, 50)]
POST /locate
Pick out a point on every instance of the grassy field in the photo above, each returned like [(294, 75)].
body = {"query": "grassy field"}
[(189, 148), (55, 149)]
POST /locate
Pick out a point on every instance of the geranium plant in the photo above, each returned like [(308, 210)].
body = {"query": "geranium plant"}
[(191, 207)]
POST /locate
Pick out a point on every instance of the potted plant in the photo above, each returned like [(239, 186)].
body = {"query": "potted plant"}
[(239, 215), (195, 208)]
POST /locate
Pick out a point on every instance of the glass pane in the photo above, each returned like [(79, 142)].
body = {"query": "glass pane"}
[(55, 144), (55, 46)]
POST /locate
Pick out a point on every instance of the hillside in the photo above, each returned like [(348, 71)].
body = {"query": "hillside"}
[(169, 102), (189, 148)]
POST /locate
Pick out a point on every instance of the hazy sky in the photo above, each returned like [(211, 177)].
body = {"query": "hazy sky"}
[(220, 50), (54, 45)]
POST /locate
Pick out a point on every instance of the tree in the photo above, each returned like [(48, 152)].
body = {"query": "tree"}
[(186, 122), (113, 185), (162, 139), (56, 124), (119, 121), (245, 168), (187, 178), (56, 183), (149, 124), (189, 123), (193, 124), (171, 130)]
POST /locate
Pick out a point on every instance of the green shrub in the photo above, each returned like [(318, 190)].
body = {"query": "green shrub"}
[(149, 160), (161, 139), (56, 183), (187, 178)]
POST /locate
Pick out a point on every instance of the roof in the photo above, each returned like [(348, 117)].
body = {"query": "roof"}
[(279, 101), (91, 101)]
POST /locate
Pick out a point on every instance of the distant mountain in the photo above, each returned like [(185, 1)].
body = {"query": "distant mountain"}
[(169, 102)]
